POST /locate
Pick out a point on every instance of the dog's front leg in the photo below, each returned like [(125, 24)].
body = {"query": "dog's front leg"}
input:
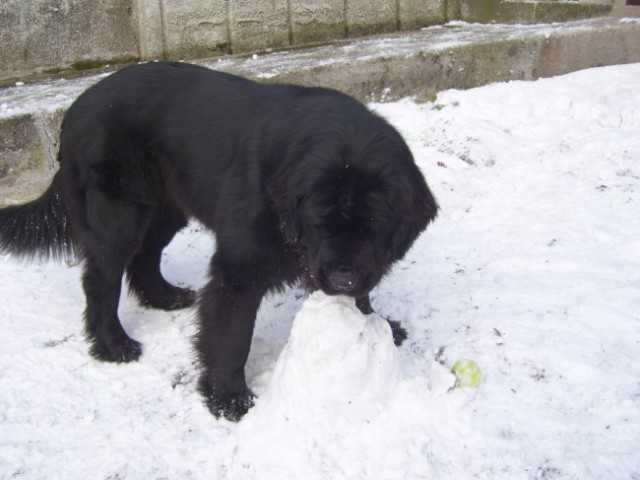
[(398, 331), (227, 316)]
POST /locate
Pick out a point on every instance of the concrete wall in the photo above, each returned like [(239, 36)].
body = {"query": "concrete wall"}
[(419, 64), (312, 21), (188, 29), (41, 34), (48, 33), (527, 11)]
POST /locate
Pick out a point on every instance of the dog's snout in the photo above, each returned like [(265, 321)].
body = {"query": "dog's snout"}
[(342, 279)]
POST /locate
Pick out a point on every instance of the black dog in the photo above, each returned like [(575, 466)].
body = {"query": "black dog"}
[(297, 184)]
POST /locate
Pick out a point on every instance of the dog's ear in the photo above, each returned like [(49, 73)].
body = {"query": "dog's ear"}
[(286, 197), (414, 209)]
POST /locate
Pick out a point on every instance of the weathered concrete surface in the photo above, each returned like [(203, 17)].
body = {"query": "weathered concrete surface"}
[(518, 11), (387, 67), (313, 22), (28, 147), (46, 34), (545, 12), (49, 33), (258, 24), (52, 34), (414, 14), (193, 28), (367, 17)]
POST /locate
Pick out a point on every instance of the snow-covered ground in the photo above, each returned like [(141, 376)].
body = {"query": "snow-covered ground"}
[(532, 270)]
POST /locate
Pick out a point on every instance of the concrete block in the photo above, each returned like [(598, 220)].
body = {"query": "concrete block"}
[(148, 18), (452, 10), (515, 11), (258, 24), (547, 12), (414, 14), (19, 140), (422, 73), (313, 21), (479, 11), (38, 34), (195, 28), (367, 17), (28, 150), (562, 54)]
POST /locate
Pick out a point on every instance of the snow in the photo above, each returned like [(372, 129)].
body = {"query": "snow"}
[(532, 270), (46, 97)]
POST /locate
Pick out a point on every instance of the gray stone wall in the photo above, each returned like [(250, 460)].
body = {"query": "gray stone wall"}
[(41, 34), (36, 35), (199, 28), (419, 64)]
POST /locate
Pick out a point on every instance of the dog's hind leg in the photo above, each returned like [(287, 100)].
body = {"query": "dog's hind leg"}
[(143, 273), (111, 236)]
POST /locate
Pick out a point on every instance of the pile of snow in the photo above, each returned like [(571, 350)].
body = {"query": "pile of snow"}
[(338, 383), (532, 270), (337, 360)]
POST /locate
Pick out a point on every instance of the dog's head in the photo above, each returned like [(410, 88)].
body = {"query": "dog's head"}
[(353, 211)]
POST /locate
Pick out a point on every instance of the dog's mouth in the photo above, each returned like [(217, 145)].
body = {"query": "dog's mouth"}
[(343, 280)]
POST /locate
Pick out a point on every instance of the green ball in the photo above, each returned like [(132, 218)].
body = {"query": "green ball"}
[(467, 373)]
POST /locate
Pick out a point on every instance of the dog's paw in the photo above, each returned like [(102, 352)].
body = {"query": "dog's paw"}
[(124, 350), (398, 332), (232, 406), (172, 298), (180, 298)]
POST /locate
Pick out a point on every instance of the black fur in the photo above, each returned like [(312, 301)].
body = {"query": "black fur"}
[(297, 184), (39, 229)]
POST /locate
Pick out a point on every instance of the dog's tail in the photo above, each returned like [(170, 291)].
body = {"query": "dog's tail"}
[(39, 229)]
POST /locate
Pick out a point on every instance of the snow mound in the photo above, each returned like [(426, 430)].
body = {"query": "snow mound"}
[(336, 360), (338, 390)]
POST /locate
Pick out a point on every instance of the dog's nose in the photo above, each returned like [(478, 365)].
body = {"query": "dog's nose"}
[(342, 279)]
